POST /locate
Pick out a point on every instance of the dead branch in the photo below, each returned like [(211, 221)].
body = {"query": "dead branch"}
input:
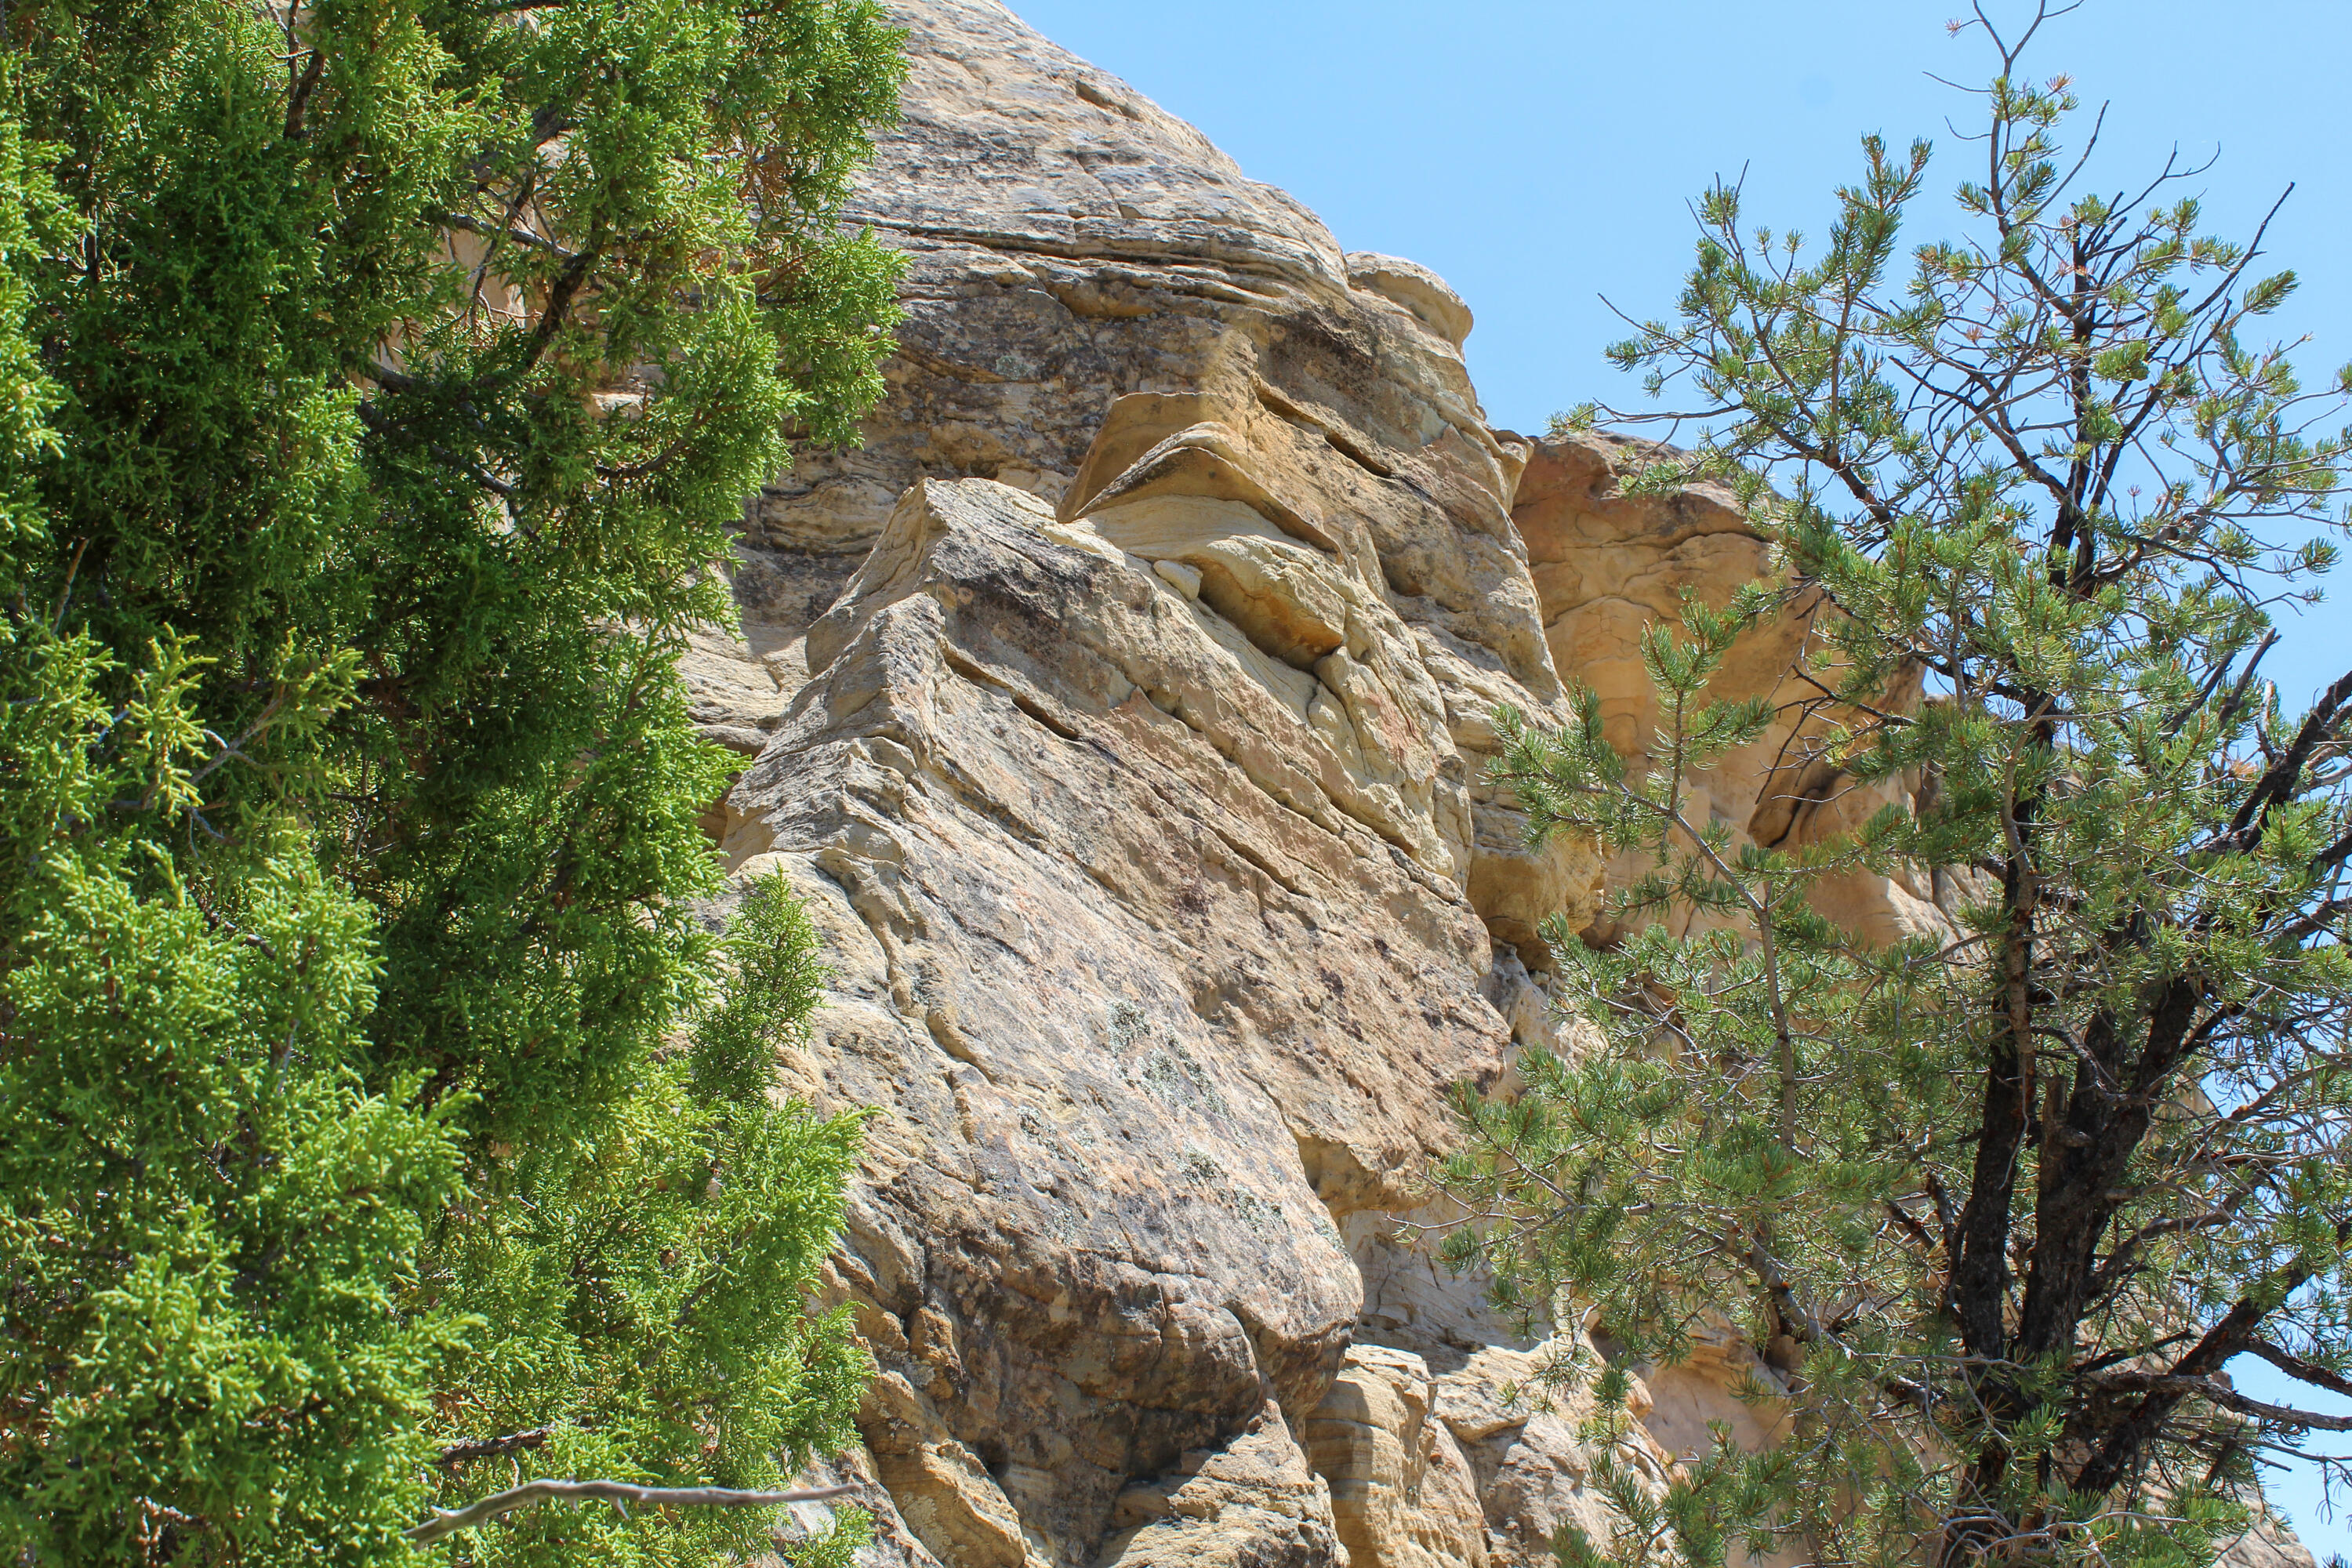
[(619, 1494)]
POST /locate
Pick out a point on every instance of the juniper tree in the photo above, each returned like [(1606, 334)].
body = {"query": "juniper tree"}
[(381, 377), (1997, 1203)]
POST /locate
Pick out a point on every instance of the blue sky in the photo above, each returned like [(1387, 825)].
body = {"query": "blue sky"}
[(1542, 153)]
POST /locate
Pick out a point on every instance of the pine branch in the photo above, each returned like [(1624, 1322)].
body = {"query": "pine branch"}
[(2302, 1371), (2228, 1399), (2278, 785)]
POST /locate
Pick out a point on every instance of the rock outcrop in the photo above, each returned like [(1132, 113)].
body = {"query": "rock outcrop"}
[(1122, 710)]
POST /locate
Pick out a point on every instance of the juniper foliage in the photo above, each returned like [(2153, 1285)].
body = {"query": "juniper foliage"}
[(378, 379), (1995, 1201)]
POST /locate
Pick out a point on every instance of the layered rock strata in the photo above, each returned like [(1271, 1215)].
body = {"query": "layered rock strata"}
[(1122, 710)]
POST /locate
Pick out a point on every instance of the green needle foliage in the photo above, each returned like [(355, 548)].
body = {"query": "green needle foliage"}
[(1996, 1204), (378, 380)]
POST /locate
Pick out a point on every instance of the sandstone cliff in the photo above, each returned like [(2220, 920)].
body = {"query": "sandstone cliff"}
[(1122, 710)]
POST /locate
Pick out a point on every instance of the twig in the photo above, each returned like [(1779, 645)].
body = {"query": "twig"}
[(447, 1524), (493, 1447), (65, 594), (481, 230)]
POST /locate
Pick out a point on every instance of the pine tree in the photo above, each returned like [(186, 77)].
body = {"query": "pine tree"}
[(1997, 1205), (381, 379)]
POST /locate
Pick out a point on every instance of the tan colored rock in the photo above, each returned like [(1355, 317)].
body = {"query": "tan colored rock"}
[(1255, 1503), (1609, 562), (1410, 284), (1401, 1494), (2267, 1545), (1142, 1000), (1128, 700), (1689, 1400), (951, 1504), (1525, 1445)]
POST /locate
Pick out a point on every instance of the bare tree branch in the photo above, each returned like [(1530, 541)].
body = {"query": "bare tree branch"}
[(2302, 1371), (2228, 1399), (620, 1494)]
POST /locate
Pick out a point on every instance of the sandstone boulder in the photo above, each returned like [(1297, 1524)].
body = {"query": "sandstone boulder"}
[(1401, 1494)]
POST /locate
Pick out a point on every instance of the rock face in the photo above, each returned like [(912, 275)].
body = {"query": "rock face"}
[(1606, 563), (1120, 709)]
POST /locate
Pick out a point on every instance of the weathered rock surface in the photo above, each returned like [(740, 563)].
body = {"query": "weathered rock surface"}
[(1126, 702), (1402, 1491), (1607, 561), (1122, 710)]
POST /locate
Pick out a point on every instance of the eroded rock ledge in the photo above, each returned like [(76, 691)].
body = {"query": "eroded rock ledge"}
[(1122, 710)]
